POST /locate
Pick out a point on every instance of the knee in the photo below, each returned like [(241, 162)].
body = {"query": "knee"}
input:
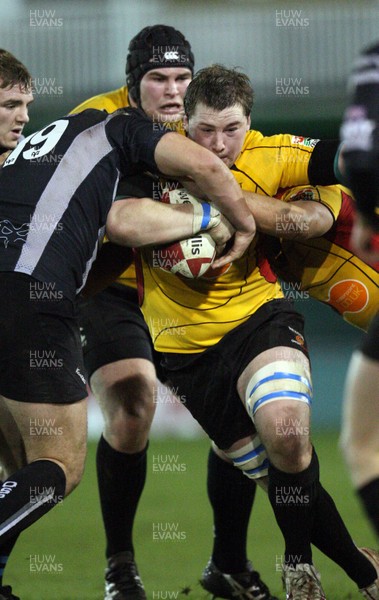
[(292, 448), (288, 445), (127, 398), (74, 468), (126, 392), (355, 450), (132, 402), (361, 459)]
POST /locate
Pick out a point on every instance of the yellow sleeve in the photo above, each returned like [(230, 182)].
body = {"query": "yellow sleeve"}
[(330, 196), (109, 101), (268, 163)]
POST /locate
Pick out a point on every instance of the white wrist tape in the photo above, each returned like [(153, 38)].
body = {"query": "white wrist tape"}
[(205, 217)]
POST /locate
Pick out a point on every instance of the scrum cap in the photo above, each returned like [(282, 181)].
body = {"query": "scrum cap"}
[(155, 47)]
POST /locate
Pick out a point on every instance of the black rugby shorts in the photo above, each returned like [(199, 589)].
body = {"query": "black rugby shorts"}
[(113, 328), (207, 381), (40, 352)]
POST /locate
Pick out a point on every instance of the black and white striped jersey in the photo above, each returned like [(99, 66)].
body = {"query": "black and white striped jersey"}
[(57, 187)]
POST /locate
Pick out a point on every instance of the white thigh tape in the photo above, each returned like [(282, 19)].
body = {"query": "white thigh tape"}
[(251, 459), (280, 380)]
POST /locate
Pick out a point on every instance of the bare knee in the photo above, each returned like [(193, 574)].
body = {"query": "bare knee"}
[(286, 436), (291, 453), (126, 393), (362, 460)]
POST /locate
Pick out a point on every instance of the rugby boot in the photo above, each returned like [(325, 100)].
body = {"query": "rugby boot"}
[(122, 581), (239, 586), (6, 593), (302, 582), (372, 591)]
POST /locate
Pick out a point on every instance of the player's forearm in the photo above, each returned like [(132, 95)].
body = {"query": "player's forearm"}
[(289, 220), (222, 189), (180, 157), (139, 222)]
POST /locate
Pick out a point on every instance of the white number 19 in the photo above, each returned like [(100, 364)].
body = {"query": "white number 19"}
[(48, 137)]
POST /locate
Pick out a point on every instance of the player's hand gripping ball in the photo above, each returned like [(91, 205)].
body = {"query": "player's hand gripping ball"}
[(192, 257)]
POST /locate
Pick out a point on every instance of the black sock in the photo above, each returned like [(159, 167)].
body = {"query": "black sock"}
[(121, 479), (331, 537), (369, 495), (27, 495), (292, 497), (5, 551), (231, 495)]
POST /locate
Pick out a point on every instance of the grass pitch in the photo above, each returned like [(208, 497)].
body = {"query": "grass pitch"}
[(62, 556)]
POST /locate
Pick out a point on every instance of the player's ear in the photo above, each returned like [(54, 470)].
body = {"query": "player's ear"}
[(132, 102), (248, 123), (185, 123)]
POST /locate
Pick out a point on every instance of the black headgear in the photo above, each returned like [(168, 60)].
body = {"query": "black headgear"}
[(155, 47)]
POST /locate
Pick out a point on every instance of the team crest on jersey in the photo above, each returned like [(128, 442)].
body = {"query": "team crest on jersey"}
[(305, 194), (10, 233), (303, 141), (348, 295)]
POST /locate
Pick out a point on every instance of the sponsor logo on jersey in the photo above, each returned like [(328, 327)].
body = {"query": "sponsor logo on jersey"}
[(306, 194), (357, 131), (349, 295), (308, 142), (80, 375), (7, 488), (11, 233)]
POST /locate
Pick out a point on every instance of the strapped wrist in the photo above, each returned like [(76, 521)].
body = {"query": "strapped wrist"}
[(205, 217)]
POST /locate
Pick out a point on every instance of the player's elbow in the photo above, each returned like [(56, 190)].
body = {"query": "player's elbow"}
[(216, 167), (293, 223), (118, 229), (316, 222), (126, 232), (129, 222), (304, 222), (212, 167)]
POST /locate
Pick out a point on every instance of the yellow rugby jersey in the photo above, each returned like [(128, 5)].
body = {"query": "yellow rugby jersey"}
[(266, 164), (190, 315), (111, 101), (326, 267)]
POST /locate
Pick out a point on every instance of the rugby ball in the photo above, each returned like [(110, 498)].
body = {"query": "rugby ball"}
[(177, 195), (190, 258)]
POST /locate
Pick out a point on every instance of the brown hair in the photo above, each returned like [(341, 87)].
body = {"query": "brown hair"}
[(219, 87), (13, 72)]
